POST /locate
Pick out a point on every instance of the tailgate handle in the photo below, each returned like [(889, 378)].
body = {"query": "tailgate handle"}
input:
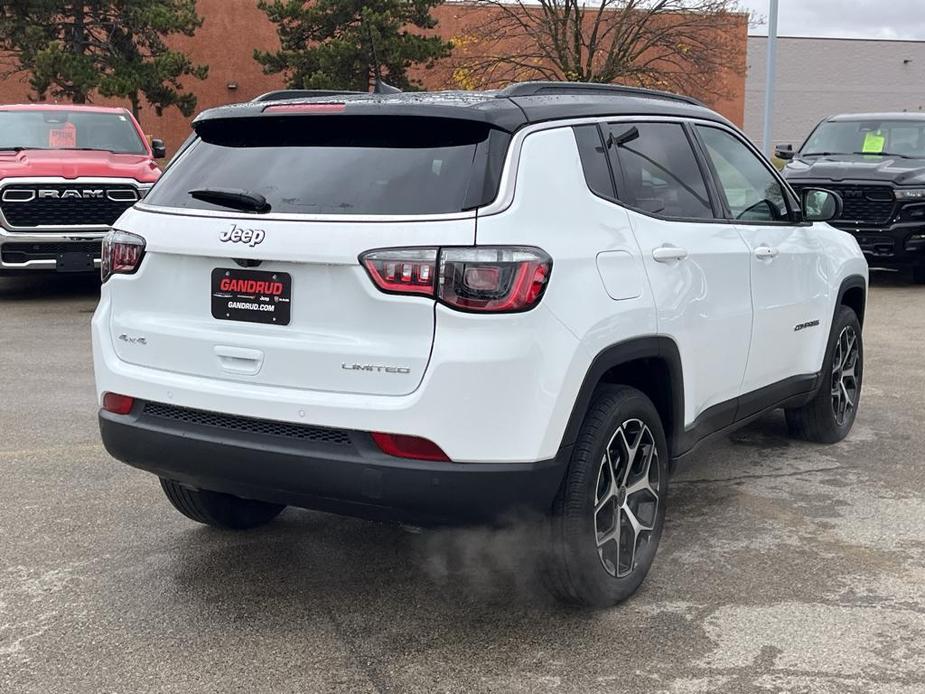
[(239, 360)]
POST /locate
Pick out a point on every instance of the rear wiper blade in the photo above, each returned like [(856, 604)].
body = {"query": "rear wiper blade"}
[(19, 149), (233, 198), (821, 154)]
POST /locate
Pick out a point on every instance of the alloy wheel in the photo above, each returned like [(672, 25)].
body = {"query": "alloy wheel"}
[(845, 374), (626, 496)]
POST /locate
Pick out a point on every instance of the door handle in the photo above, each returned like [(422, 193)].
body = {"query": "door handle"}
[(766, 253), (668, 254)]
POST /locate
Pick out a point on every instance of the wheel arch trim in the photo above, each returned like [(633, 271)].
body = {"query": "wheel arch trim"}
[(655, 347), (847, 284)]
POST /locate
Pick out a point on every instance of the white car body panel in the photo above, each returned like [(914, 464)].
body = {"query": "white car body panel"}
[(484, 388), (338, 315), (791, 291), (703, 304)]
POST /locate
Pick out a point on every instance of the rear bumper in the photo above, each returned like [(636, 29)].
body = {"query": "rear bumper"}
[(337, 471)]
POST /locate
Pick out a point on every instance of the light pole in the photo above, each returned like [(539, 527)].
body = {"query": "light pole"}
[(770, 79)]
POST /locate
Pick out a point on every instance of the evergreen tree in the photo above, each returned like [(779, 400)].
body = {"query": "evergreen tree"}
[(74, 48), (333, 44)]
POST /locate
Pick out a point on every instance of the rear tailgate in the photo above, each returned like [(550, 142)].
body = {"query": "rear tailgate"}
[(343, 335), (253, 235)]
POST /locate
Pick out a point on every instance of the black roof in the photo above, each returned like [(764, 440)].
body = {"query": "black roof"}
[(507, 109)]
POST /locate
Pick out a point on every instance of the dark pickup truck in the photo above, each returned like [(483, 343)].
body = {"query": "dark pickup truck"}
[(876, 162)]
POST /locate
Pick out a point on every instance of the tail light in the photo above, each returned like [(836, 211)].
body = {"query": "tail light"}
[(493, 280), (118, 404), (402, 270), (414, 447), (122, 254), (485, 279)]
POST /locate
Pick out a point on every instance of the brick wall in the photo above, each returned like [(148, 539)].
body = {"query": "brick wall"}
[(234, 28)]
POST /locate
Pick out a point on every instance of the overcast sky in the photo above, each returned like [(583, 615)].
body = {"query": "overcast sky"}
[(882, 19)]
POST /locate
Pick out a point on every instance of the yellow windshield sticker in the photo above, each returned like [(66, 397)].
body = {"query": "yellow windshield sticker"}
[(873, 143)]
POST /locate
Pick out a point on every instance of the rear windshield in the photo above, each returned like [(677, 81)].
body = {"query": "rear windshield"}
[(339, 165), (61, 129)]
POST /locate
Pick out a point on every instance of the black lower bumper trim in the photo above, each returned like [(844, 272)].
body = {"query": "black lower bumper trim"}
[(900, 246), (24, 251), (356, 479)]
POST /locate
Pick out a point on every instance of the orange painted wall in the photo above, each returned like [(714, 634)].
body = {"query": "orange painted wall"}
[(232, 29)]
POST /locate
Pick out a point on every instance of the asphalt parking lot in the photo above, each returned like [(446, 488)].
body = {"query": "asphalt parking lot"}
[(784, 567)]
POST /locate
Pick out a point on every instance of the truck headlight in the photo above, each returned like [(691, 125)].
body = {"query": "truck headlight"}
[(910, 194)]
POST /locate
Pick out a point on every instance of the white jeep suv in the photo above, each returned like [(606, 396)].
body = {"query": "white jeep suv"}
[(470, 308)]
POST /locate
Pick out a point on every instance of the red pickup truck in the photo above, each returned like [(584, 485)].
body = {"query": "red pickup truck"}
[(66, 174)]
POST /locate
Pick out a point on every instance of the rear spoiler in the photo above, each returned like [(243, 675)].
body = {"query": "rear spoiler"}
[(501, 114)]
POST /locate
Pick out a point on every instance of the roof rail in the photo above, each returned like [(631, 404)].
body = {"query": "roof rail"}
[(287, 94), (541, 88)]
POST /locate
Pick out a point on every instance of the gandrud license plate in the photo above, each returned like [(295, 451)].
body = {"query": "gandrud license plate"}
[(252, 296)]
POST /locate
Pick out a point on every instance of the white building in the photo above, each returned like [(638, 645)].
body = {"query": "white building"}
[(818, 77)]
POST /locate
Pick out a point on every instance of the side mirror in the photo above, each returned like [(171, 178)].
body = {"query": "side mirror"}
[(820, 205), (784, 152), (158, 148)]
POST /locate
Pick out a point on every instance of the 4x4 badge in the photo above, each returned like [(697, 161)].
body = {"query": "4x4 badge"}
[(236, 234)]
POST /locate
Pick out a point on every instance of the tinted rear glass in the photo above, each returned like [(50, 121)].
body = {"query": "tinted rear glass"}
[(336, 165), (593, 155)]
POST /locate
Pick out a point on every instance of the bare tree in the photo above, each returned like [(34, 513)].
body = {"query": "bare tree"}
[(680, 45)]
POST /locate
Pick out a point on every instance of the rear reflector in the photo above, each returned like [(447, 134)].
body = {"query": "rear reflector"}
[(118, 404), (305, 108), (412, 447)]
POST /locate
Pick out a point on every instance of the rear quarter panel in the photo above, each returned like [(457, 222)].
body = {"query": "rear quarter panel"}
[(598, 288)]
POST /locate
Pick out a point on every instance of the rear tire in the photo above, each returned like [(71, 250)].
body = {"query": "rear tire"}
[(828, 417), (219, 510), (608, 516), (918, 274)]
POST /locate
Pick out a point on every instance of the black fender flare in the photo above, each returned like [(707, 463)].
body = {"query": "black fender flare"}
[(657, 347), (852, 282)]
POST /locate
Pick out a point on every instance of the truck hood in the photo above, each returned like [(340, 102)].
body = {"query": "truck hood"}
[(845, 167), (77, 164)]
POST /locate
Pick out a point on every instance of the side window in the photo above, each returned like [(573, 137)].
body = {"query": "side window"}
[(752, 191), (594, 160), (658, 171)]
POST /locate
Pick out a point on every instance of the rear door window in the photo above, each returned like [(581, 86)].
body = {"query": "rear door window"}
[(658, 171), (339, 165)]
